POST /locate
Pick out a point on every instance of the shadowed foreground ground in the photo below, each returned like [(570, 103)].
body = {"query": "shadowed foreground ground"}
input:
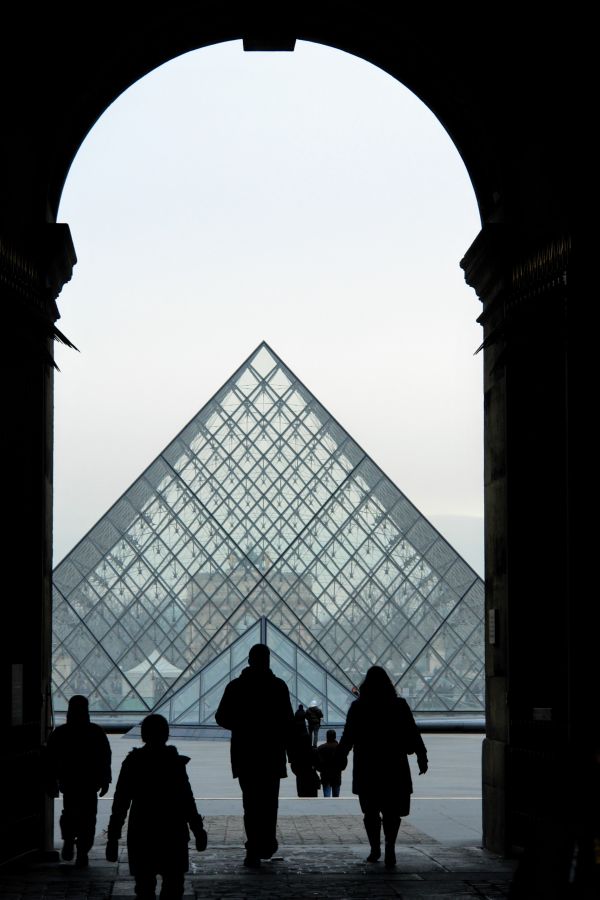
[(320, 857)]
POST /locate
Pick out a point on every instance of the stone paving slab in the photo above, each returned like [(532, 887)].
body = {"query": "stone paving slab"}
[(290, 878), (298, 830)]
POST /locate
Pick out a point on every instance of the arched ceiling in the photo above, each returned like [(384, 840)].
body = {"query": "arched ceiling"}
[(494, 90)]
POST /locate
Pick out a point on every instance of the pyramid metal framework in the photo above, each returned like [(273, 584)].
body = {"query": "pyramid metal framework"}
[(196, 702), (264, 509)]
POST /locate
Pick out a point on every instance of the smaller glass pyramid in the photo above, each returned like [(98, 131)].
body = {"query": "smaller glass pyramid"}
[(263, 507), (196, 702)]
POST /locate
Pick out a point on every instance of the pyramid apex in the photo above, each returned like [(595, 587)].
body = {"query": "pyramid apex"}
[(263, 359)]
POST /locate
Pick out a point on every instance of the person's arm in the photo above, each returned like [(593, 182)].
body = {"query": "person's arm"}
[(120, 808), (348, 736), (288, 724), (225, 714), (320, 761), (415, 741), (288, 710), (421, 752), (340, 762), (105, 761), (192, 816)]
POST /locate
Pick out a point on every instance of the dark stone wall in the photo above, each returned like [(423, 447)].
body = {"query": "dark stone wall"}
[(33, 266), (523, 281)]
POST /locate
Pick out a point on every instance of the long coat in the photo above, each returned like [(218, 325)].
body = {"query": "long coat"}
[(382, 738), (251, 702), (154, 782)]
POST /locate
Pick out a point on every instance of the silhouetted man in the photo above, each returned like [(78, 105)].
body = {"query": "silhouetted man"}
[(259, 765), (313, 717), (300, 722), (154, 783), (78, 758)]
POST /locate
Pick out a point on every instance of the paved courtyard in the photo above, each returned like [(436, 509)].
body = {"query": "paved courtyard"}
[(322, 841)]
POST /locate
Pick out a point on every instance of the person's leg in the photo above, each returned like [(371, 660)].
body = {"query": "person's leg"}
[(145, 885), (372, 821), (261, 800), (268, 817), (67, 825), (327, 790), (251, 801), (315, 735), (86, 826), (391, 824), (172, 885), (336, 790)]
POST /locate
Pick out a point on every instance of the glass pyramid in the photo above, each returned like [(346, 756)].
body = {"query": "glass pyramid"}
[(264, 509), (195, 703)]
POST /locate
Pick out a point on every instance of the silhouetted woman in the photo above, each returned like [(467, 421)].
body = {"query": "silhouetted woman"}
[(381, 728)]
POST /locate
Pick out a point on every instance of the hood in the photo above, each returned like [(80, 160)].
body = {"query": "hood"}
[(251, 673), (167, 750)]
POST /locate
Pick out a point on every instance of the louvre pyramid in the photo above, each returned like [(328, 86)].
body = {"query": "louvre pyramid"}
[(196, 701), (263, 509)]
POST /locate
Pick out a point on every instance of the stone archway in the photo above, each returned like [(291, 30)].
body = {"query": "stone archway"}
[(496, 94)]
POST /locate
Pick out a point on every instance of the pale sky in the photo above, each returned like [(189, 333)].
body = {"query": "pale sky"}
[(307, 199)]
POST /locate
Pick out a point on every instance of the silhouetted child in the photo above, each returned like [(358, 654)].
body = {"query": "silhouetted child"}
[(330, 764), (154, 782)]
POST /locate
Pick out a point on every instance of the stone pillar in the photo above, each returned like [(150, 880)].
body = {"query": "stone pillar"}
[(522, 281), (34, 265)]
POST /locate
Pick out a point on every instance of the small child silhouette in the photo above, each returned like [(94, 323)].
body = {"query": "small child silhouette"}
[(154, 782)]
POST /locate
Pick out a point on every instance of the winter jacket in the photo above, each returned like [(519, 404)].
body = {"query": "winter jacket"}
[(256, 696), (382, 736), (330, 763), (313, 716), (153, 781), (78, 756)]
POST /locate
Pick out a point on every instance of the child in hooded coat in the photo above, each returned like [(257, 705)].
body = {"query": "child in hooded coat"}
[(154, 782)]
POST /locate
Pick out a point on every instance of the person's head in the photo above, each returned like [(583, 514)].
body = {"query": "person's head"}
[(330, 736), (155, 730), (78, 712), (377, 686), (300, 707), (313, 703), (259, 657)]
